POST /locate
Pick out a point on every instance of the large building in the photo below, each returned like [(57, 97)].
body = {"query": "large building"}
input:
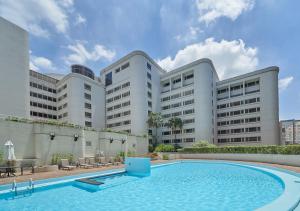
[(290, 131), (14, 66), (76, 98), (238, 110)]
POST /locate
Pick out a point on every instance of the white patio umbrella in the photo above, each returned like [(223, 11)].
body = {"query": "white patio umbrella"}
[(10, 151)]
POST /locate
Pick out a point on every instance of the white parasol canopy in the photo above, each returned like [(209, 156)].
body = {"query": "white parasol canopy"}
[(10, 151)]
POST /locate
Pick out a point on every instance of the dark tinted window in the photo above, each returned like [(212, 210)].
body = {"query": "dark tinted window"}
[(108, 79)]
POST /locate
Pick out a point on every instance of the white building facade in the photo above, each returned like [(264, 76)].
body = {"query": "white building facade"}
[(75, 98), (239, 110), (247, 108), (14, 60)]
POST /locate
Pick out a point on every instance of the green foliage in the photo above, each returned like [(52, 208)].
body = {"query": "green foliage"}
[(165, 157), (175, 123), (165, 148), (129, 154), (58, 156), (203, 143), (150, 148), (270, 149)]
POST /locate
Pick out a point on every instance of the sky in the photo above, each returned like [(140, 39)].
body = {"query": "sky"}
[(239, 36)]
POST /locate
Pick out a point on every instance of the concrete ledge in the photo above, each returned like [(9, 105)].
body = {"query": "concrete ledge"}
[(291, 160)]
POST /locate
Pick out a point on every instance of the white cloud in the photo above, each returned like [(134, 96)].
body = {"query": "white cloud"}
[(210, 10), (191, 35), (33, 14), (230, 58), (285, 82), (80, 20), (38, 31), (41, 64), (81, 55)]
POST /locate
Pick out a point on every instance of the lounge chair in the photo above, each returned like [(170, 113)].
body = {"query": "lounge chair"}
[(104, 162), (82, 163), (65, 164), (95, 164), (114, 161)]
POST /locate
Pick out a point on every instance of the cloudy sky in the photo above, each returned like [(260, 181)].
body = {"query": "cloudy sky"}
[(238, 35)]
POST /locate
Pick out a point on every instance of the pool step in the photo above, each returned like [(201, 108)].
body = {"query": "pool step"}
[(88, 184)]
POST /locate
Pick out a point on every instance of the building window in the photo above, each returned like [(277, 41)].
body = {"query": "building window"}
[(148, 66), (87, 105), (88, 124), (149, 85), (127, 84), (149, 104), (126, 94), (176, 80), (117, 70), (149, 95), (189, 111), (88, 115), (108, 79), (88, 143), (87, 96), (125, 104), (124, 66), (87, 87), (149, 76)]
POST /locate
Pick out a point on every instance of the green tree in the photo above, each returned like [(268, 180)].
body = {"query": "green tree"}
[(155, 120), (174, 124)]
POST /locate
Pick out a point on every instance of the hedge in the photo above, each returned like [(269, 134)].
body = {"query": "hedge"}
[(165, 148), (287, 150)]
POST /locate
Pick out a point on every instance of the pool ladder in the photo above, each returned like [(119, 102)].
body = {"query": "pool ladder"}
[(29, 189)]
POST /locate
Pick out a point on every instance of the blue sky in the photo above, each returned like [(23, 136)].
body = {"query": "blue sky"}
[(238, 35)]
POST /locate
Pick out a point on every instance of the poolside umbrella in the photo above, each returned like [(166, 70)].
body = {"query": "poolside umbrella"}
[(10, 151)]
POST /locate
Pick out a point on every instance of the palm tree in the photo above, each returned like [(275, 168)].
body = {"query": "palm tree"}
[(155, 120), (175, 123)]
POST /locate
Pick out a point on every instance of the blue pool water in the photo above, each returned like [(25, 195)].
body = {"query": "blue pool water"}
[(181, 186)]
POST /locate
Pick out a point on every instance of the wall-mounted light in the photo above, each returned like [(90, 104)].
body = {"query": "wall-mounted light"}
[(111, 140), (123, 140), (52, 135), (76, 136)]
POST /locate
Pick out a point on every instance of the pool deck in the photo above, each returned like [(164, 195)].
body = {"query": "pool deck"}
[(60, 173)]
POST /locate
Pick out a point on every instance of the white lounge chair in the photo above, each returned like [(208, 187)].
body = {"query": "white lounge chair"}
[(82, 163), (94, 163), (104, 162), (65, 164)]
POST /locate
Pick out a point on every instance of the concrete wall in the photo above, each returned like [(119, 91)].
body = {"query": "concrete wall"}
[(292, 160), (14, 66), (32, 141)]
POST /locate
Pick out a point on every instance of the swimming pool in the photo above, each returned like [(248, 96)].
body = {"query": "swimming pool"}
[(179, 186)]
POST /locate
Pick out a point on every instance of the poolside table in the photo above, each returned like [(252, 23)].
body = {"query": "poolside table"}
[(10, 170)]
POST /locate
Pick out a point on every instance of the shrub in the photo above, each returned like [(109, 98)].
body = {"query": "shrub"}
[(271, 149), (58, 156), (165, 157), (150, 148), (165, 148), (129, 154), (203, 143)]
